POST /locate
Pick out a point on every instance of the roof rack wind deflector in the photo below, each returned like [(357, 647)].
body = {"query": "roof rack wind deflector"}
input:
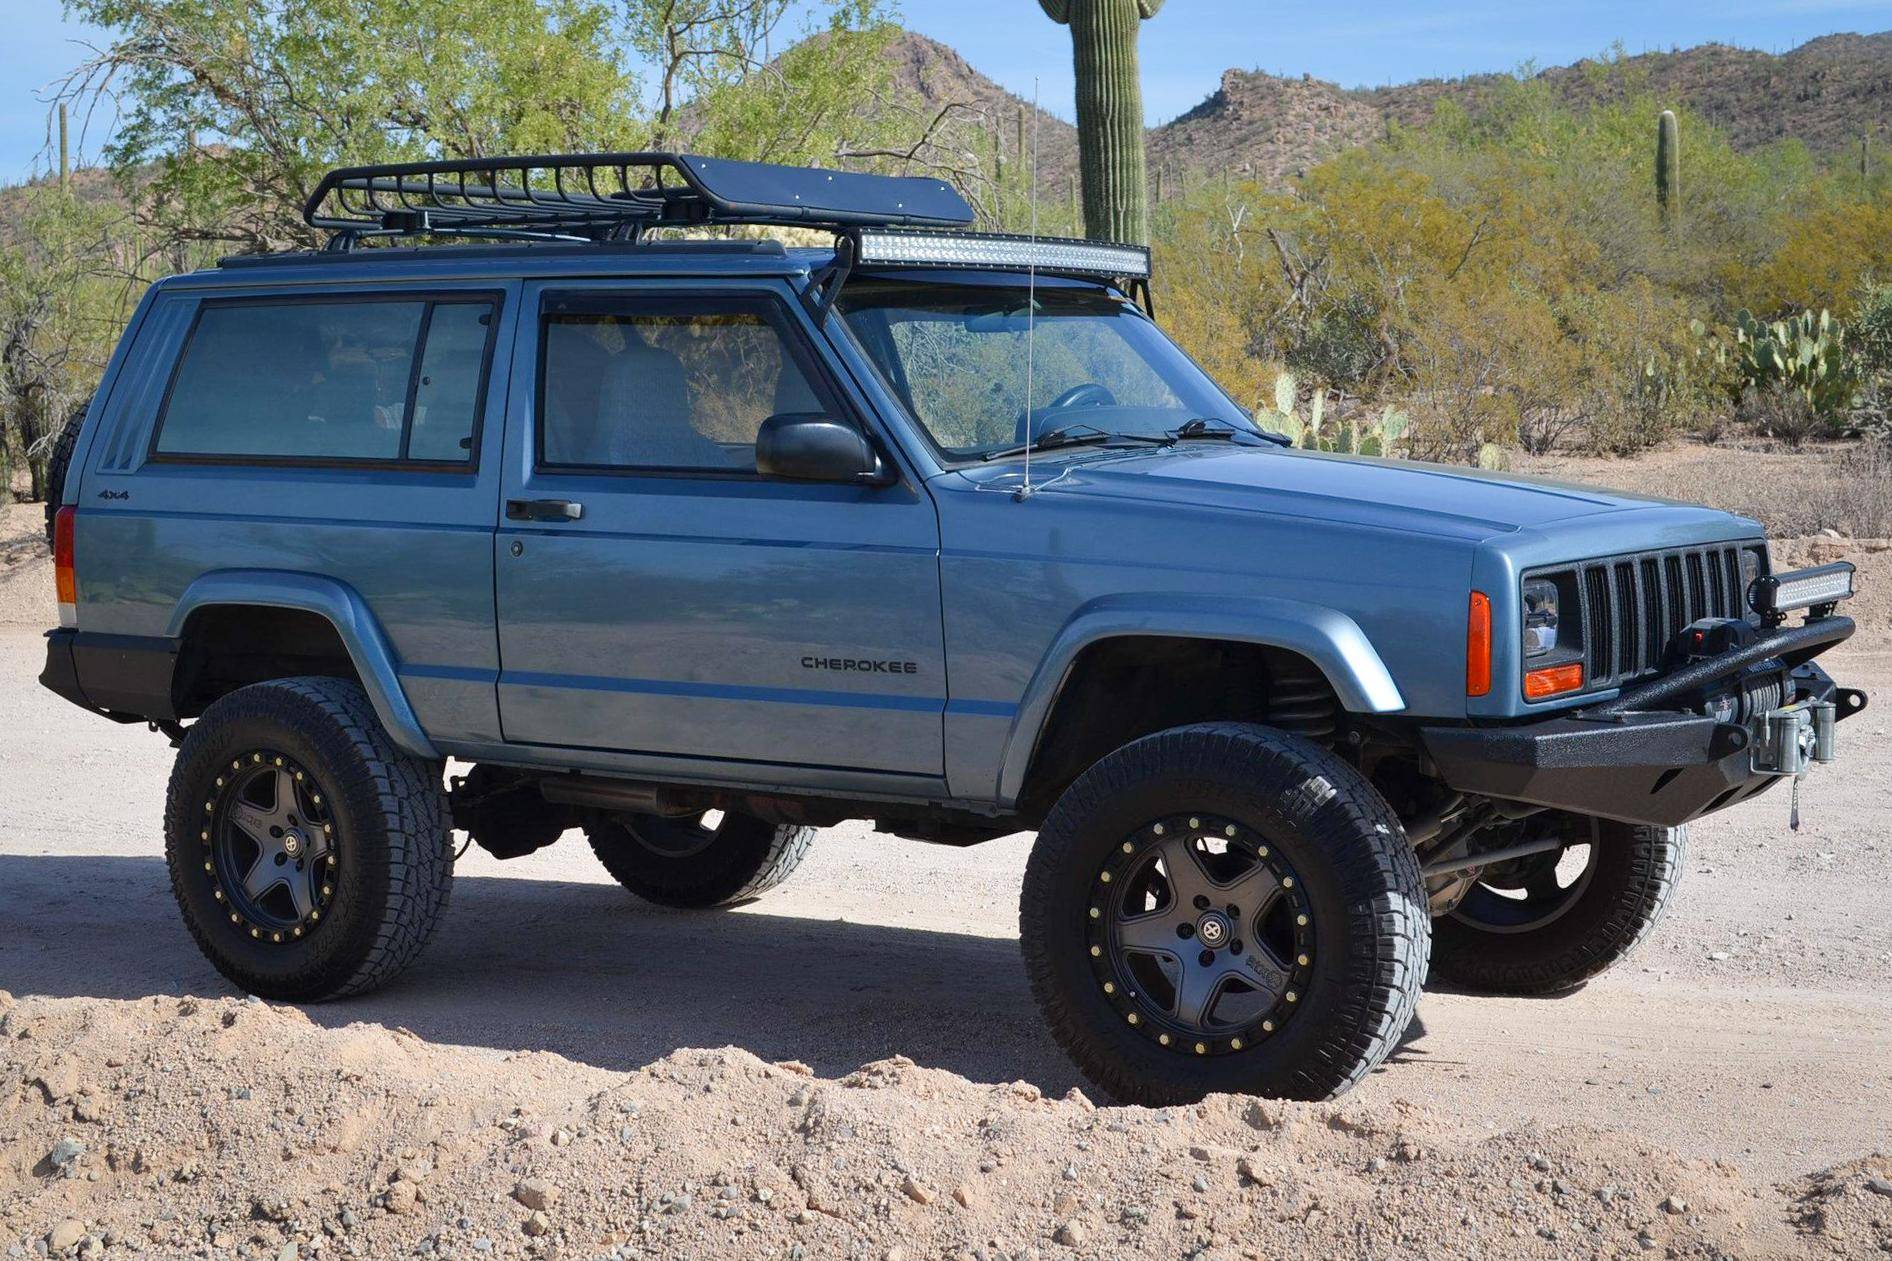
[(614, 196)]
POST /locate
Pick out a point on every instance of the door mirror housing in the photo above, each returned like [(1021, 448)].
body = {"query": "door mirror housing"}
[(811, 447)]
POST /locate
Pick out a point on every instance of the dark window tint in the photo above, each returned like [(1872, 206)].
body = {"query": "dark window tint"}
[(330, 381), (665, 385)]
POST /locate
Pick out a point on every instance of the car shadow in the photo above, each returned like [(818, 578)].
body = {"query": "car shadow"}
[(583, 970), (586, 971)]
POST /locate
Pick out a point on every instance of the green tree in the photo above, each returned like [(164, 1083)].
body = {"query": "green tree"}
[(236, 107)]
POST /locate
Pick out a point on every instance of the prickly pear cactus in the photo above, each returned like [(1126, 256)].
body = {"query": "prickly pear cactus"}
[(1109, 113), (1377, 436), (1804, 351)]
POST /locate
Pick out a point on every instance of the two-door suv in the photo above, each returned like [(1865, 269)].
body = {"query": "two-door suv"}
[(700, 544)]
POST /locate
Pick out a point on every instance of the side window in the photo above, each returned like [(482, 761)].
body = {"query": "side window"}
[(381, 380), (661, 383)]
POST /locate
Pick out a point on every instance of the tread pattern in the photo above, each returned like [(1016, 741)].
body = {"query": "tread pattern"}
[(400, 819), (1639, 869), (58, 460), (1341, 825), (752, 858)]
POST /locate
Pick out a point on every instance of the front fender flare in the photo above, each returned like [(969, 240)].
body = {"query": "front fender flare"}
[(1331, 640), (344, 609)]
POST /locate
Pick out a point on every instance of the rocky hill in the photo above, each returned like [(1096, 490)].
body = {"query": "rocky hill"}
[(1827, 93)]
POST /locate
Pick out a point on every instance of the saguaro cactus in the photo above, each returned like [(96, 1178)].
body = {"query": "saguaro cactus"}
[(1668, 167), (1109, 113)]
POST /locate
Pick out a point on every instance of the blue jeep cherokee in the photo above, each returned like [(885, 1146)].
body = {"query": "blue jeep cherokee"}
[(700, 544)]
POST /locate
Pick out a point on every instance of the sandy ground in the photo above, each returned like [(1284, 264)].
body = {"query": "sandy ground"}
[(1753, 1030)]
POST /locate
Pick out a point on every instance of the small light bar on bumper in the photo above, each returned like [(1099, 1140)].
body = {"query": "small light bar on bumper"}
[(1804, 588), (1004, 253)]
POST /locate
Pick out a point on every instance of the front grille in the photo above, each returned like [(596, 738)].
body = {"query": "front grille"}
[(1634, 605)]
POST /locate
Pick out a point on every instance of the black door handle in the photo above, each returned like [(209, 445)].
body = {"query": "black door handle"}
[(543, 510)]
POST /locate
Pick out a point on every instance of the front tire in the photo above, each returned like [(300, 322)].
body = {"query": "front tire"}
[(1224, 907), (1531, 930), (310, 857), (698, 862)]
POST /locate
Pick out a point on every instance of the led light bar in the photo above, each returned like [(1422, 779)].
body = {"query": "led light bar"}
[(1004, 253), (1804, 588)]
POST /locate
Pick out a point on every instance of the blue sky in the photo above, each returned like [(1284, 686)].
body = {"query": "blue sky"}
[(1185, 48)]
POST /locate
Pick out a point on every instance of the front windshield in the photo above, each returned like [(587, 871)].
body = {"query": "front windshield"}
[(955, 353)]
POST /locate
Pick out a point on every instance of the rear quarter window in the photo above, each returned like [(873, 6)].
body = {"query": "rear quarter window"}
[(319, 381)]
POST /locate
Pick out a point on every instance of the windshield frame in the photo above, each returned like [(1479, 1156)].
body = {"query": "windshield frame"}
[(963, 278)]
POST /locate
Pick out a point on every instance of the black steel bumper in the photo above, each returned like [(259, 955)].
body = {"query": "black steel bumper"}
[(127, 678), (1631, 759)]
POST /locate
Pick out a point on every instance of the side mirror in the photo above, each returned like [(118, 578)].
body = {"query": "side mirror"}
[(810, 447)]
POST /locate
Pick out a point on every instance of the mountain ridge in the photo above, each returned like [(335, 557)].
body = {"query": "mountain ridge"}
[(1827, 93)]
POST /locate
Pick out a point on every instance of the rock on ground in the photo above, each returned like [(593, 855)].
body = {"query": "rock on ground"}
[(376, 1144)]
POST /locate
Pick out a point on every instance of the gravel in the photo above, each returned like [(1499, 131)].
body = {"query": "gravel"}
[(381, 1145)]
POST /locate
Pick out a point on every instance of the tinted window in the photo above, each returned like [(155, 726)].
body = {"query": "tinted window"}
[(330, 381), (665, 384)]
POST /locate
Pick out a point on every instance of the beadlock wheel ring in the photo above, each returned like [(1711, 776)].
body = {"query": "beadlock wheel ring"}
[(1200, 935), (271, 850)]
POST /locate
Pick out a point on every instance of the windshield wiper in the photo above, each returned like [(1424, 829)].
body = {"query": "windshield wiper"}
[(1074, 436), (1204, 427)]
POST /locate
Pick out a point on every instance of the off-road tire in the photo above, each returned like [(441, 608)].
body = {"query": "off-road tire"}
[(1636, 872), (747, 858), (1361, 881), (395, 860), (58, 460)]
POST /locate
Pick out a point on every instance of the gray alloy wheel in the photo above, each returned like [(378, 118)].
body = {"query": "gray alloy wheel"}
[(1224, 908), (309, 856)]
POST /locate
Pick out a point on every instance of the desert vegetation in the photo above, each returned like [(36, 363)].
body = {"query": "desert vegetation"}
[(1526, 270)]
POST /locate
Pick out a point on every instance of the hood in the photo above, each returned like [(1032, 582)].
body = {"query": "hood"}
[(1405, 495)]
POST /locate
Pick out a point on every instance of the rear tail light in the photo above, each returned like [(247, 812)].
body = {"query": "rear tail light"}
[(65, 578), (1553, 681), (1478, 646)]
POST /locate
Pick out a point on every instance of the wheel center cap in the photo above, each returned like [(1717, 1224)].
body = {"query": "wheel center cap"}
[(1212, 930), (292, 844)]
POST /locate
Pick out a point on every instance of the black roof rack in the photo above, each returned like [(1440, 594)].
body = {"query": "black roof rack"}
[(614, 196)]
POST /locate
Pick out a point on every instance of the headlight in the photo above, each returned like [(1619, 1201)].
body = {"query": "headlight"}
[(1750, 574), (1540, 617)]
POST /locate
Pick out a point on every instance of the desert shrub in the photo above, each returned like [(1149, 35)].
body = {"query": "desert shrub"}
[(1871, 341), (1778, 410), (1341, 346), (1855, 496)]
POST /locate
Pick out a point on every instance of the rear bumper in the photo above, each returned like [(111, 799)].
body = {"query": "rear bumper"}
[(124, 677), (1654, 766)]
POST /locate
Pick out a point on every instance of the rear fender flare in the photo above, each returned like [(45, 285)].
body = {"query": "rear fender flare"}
[(1331, 640), (345, 610)]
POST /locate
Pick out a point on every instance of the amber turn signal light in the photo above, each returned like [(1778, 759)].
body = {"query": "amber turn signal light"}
[(1553, 681), (1478, 646)]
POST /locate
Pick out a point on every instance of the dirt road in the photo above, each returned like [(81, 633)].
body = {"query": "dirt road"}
[(1756, 1026)]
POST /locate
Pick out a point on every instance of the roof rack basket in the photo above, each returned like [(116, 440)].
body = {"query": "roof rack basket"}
[(614, 196)]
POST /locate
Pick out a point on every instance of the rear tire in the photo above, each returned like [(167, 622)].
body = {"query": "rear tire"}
[(1309, 919), (58, 460), (310, 857), (1625, 891), (684, 864)]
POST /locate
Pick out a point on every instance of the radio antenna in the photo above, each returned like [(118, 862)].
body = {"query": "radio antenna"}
[(1031, 299)]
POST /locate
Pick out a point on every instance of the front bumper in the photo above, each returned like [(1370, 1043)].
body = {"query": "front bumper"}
[(1641, 758)]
